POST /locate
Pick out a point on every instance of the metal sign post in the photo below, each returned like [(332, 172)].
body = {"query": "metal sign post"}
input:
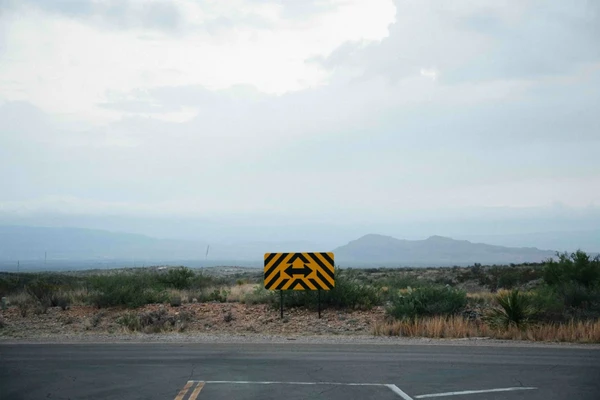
[(281, 302), (319, 303)]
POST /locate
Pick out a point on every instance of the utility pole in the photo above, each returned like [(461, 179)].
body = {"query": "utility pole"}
[(45, 257)]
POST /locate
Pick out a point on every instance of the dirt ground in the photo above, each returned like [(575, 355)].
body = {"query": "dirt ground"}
[(211, 318)]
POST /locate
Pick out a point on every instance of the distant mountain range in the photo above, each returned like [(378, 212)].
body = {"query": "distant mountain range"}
[(33, 243), (67, 245), (435, 250), (62, 246)]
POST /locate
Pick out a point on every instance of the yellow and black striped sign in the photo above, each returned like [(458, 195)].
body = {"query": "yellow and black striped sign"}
[(299, 271)]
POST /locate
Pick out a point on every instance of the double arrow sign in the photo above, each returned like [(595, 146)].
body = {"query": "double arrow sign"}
[(299, 271)]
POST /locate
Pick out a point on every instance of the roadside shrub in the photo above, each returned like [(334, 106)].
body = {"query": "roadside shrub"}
[(444, 280), (505, 277), (548, 304), (427, 301), (60, 299), (515, 309), (175, 301), (157, 321), (201, 281), (96, 319), (130, 321), (9, 284), (24, 309), (43, 292), (260, 295), (403, 282), (215, 295), (153, 321), (576, 267), (474, 272), (131, 290), (574, 294), (349, 293), (228, 317), (177, 278)]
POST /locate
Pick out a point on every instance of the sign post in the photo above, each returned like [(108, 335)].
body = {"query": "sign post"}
[(299, 271), (319, 303), (281, 302)]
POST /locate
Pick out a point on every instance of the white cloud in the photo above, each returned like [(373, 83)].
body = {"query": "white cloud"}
[(238, 109), (430, 73), (67, 66)]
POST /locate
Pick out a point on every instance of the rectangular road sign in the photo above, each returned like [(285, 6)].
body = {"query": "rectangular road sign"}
[(299, 271)]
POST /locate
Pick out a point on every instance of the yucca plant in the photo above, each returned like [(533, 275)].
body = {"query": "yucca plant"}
[(515, 309)]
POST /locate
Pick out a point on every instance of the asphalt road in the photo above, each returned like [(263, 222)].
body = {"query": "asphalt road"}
[(273, 371)]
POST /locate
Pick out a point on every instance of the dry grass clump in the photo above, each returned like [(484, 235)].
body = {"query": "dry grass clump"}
[(432, 327), (154, 321), (237, 293), (20, 298), (80, 296), (573, 331), (458, 327), (482, 298)]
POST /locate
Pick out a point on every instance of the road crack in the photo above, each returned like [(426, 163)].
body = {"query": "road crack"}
[(520, 383), (309, 373), (192, 372)]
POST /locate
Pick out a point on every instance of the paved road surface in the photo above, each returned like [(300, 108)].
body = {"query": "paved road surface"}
[(263, 371)]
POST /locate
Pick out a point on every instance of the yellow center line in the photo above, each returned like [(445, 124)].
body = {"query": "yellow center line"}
[(183, 391), (196, 391)]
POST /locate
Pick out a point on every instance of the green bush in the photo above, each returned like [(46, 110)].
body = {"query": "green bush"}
[(577, 267), (216, 295), (42, 291), (549, 306), (130, 321), (152, 321), (509, 277), (506, 277), (349, 292), (177, 278), (9, 284), (131, 290), (175, 301), (427, 301), (157, 321), (260, 295), (403, 282), (60, 299), (474, 272), (515, 309), (201, 281)]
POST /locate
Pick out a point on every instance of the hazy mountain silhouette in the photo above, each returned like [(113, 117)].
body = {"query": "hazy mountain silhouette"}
[(76, 244), (72, 244), (31, 243), (436, 250)]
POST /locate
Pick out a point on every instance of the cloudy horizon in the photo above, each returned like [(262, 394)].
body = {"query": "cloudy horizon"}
[(326, 112)]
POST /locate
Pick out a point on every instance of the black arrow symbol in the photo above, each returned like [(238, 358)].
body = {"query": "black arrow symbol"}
[(304, 271)]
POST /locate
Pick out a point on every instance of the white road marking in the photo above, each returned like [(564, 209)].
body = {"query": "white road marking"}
[(399, 392), (393, 388), (423, 396), (297, 383)]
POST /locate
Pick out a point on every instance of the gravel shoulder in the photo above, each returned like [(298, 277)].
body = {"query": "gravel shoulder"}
[(218, 323), (224, 338)]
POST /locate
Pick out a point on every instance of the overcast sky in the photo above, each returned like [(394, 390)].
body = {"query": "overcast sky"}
[(331, 109)]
